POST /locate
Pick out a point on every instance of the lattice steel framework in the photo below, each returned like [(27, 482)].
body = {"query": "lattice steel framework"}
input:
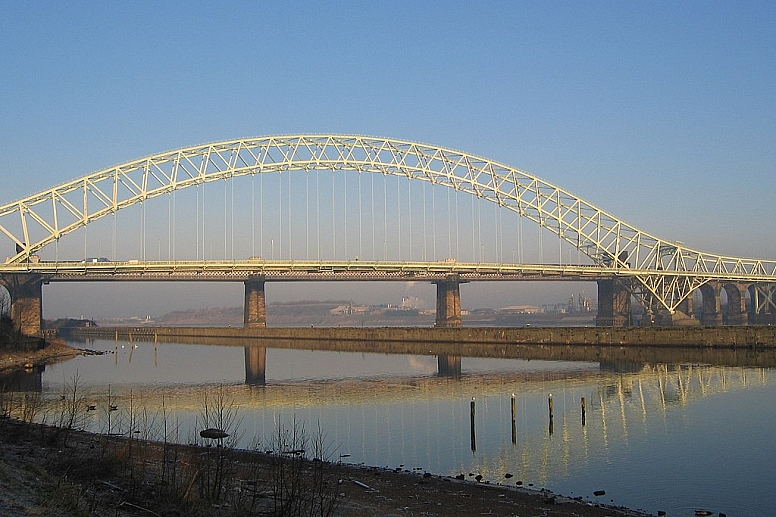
[(666, 272)]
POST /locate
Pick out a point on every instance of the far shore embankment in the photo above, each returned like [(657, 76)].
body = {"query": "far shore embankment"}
[(729, 346), (693, 337)]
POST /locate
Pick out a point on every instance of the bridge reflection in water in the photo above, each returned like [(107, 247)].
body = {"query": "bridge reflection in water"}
[(256, 365), (694, 410)]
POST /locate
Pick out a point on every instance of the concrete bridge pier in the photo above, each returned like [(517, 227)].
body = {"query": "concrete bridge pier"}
[(614, 304), (448, 304), (712, 309), (254, 309), (26, 292)]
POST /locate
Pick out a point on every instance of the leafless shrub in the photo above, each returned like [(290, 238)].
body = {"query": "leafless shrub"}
[(31, 407), (170, 471), (295, 480), (6, 403), (72, 409), (216, 474)]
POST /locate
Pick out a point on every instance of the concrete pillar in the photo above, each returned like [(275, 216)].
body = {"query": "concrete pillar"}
[(614, 304), (449, 366), (736, 294), (448, 306), (712, 312), (254, 310), (26, 293), (255, 365)]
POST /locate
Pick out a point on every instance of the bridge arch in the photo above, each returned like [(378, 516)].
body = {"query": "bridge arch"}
[(664, 271), (725, 302), (736, 303)]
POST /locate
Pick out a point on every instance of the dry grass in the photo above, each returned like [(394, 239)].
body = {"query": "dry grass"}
[(95, 476)]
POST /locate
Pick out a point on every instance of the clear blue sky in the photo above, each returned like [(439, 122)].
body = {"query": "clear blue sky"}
[(661, 113)]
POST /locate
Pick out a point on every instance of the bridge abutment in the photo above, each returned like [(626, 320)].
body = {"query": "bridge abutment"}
[(614, 304), (26, 292), (448, 305), (254, 309)]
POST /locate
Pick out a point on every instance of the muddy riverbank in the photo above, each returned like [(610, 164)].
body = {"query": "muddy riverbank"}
[(45, 473)]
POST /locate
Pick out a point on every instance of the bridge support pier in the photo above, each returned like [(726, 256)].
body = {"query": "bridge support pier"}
[(448, 305), (254, 310), (26, 293), (614, 304), (712, 309)]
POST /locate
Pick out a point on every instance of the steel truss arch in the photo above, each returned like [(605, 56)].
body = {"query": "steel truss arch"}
[(664, 270)]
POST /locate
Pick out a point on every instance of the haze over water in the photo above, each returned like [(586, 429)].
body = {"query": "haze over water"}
[(673, 437)]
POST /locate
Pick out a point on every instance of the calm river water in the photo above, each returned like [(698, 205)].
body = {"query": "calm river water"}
[(668, 436)]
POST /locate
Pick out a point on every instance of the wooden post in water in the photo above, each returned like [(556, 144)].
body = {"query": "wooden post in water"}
[(474, 440), (514, 427), (549, 404), (583, 411)]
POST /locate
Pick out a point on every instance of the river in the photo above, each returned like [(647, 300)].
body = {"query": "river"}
[(659, 436)]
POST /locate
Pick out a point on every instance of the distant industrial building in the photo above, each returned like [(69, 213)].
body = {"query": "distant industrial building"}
[(520, 309)]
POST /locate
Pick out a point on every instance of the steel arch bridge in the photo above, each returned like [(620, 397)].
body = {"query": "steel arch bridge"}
[(660, 273)]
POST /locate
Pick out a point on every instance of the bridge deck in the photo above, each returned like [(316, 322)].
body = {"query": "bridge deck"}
[(304, 270)]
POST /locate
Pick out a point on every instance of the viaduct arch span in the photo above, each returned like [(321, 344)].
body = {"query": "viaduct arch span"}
[(661, 274)]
